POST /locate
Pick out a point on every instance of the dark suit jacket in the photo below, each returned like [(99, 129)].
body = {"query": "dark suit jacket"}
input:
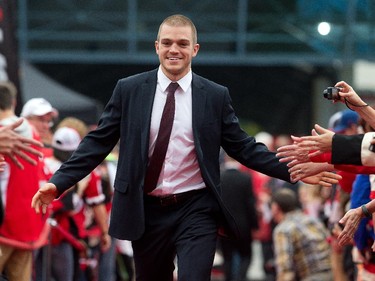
[(238, 196), (127, 116)]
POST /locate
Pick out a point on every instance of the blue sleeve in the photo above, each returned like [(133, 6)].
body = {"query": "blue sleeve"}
[(361, 195), (361, 191)]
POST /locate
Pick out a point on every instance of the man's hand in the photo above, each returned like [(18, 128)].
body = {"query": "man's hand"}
[(105, 242), (14, 145), (44, 197)]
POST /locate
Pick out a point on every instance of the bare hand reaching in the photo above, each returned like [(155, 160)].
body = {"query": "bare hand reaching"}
[(303, 170), (326, 179), (319, 142), (44, 197), (14, 145), (305, 147), (350, 221), (293, 152)]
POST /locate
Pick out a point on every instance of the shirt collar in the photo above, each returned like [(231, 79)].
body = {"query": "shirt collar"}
[(184, 82)]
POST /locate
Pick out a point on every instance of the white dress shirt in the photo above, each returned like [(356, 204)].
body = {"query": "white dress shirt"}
[(180, 171)]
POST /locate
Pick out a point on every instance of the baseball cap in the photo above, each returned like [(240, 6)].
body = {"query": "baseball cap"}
[(37, 107), (66, 139), (345, 120)]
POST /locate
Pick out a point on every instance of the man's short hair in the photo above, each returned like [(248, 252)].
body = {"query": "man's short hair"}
[(8, 93), (179, 20), (286, 199)]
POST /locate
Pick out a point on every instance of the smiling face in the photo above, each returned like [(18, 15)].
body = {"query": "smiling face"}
[(176, 48)]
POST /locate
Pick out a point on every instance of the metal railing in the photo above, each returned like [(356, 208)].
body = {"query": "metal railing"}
[(238, 32)]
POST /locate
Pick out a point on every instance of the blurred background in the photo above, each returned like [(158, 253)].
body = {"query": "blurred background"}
[(276, 57)]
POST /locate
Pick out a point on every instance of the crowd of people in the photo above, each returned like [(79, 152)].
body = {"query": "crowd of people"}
[(291, 225), (71, 241), (151, 173), (351, 155), (310, 232)]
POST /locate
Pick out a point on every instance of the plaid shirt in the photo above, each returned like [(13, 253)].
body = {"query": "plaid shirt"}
[(301, 247)]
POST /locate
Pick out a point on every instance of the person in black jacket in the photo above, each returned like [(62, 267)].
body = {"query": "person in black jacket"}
[(238, 196)]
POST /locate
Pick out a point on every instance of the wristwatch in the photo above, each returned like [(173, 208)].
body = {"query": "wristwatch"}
[(366, 212)]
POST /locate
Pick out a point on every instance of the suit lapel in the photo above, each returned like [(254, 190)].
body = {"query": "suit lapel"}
[(198, 104), (148, 94)]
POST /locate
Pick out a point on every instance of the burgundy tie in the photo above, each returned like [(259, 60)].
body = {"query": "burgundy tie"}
[(161, 145)]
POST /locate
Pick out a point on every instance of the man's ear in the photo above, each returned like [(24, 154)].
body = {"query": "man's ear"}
[(196, 49), (157, 47)]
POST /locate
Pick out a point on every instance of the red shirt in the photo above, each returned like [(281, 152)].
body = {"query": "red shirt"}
[(20, 221)]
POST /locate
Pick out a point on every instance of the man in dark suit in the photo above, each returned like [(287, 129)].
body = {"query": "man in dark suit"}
[(180, 214), (238, 196)]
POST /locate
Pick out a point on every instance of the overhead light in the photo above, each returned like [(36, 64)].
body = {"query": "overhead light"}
[(324, 28)]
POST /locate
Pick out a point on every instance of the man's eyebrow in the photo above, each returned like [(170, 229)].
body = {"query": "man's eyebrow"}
[(178, 40)]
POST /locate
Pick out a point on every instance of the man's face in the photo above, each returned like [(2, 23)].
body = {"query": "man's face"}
[(176, 50), (42, 124)]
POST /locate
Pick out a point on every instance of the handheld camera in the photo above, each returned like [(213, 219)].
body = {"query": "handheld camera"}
[(332, 93)]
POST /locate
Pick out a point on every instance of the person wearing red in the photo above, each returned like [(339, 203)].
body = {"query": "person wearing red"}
[(17, 187), (69, 213), (89, 189)]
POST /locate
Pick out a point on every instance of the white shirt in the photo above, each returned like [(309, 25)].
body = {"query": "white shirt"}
[(180, 171)]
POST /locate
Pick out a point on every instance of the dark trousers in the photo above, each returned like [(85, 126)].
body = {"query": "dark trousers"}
[(232, 249), (187, 230)]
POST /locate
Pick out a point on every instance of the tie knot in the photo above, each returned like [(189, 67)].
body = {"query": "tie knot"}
[(172, 87)]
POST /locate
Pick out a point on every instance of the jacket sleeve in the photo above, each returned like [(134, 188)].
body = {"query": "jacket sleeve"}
[(353, 150), (346, 149), (94, 147)]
